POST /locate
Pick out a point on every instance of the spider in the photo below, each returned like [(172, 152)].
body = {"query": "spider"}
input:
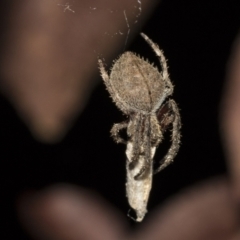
[(141, 92)]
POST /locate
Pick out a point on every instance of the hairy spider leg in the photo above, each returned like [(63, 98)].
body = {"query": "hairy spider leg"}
[(136, 138), (161, 56), (176, 125), (156, 131), (117, 127), (164, 72), (146, 148)]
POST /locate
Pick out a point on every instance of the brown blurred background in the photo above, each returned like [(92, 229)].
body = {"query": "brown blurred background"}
[(56, 114)]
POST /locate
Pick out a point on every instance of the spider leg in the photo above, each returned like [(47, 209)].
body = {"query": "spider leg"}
[(162, 59), (115, 132), (136, 139), (105, 78), (156, 131), (146, 150), (176, 123)]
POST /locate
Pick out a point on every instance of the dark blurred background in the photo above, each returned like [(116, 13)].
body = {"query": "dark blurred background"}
[(197, 38)]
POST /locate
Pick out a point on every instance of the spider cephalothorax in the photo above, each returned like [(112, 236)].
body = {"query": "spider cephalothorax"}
[(142, 92)]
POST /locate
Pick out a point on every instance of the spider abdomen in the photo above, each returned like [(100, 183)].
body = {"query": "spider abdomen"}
[(136, 82)]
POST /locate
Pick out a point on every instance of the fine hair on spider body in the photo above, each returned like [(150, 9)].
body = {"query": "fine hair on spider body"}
[(143, 93)]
